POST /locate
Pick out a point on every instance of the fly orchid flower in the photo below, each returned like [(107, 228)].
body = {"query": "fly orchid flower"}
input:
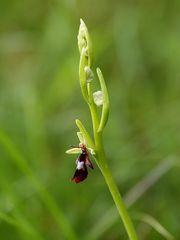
[(83, 161)]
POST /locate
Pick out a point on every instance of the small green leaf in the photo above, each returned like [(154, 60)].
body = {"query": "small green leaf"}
[(81, 137), (105, 109)]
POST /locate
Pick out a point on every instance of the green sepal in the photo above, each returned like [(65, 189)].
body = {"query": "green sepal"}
[(74, 151)]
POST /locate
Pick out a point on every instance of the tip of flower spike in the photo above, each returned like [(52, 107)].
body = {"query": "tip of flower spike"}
[(82, 41), (82, 22), (82, 28)]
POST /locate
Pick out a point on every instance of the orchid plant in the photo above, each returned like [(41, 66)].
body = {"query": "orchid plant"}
[(87, 145)]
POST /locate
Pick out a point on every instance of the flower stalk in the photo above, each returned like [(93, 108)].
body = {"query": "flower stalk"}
[(94, 100)]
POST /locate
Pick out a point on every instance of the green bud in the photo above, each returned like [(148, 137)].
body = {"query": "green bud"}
[(98, 98), (89, 74), (84, 41)]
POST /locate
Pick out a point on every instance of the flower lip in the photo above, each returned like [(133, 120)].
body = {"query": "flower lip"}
[(82, 163), (80, 175)]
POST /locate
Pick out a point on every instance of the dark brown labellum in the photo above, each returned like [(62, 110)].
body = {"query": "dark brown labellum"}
[(82, 162), (80, 175)]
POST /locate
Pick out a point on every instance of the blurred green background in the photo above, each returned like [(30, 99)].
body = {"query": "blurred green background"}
[(137, 46)]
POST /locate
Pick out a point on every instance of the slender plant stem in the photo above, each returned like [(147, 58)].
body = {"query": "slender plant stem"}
[(116, 194), (102, 163), (119, 203)]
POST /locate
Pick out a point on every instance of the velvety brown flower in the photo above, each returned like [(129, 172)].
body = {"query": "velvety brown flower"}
[(82, 162)]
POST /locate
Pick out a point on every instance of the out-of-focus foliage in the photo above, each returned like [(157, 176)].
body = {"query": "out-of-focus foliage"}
[(137, 46)]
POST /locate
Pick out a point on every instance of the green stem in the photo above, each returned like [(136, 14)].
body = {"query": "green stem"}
[(119, 202), (102, 163)]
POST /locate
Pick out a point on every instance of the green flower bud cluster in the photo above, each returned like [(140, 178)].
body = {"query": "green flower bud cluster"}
[(86, 75)]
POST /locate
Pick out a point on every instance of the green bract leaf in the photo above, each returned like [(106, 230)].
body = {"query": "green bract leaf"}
[(105, 109), (86, 135), (81, 137)]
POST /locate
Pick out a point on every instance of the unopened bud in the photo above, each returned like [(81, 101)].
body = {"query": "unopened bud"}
[(98, 98), (89, 74), (84, 42), (82, 39)]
